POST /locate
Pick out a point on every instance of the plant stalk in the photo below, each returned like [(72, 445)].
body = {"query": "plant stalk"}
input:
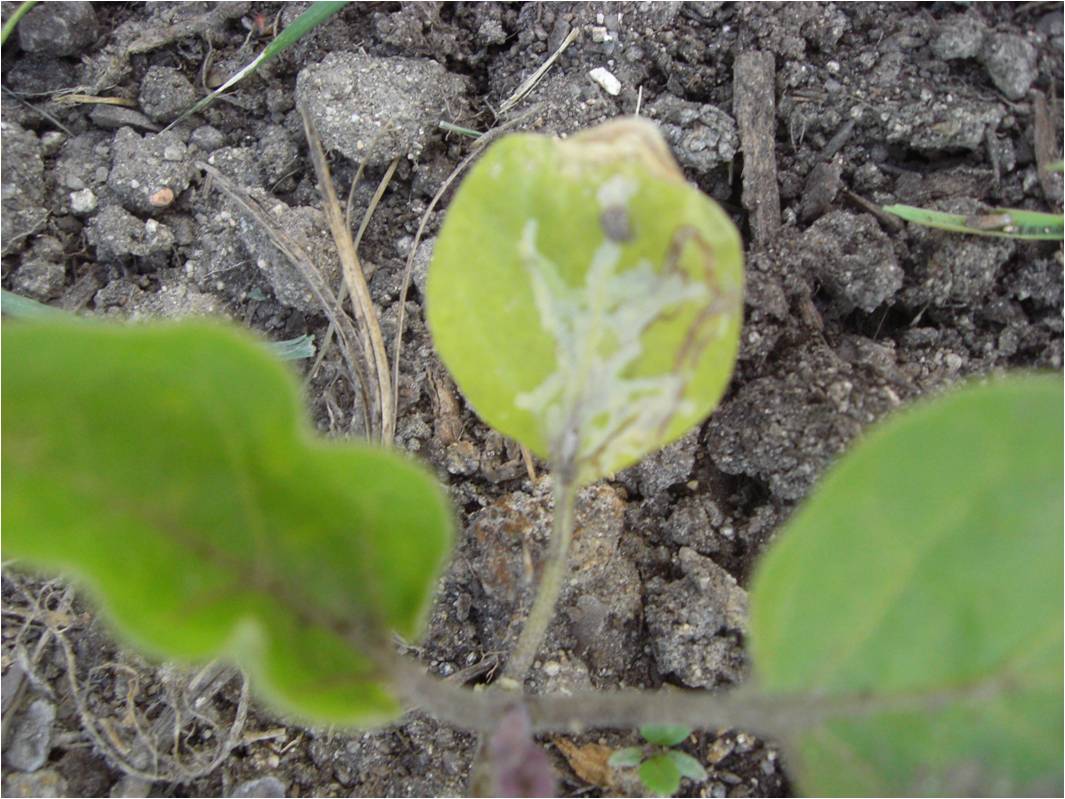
[(556, 564)]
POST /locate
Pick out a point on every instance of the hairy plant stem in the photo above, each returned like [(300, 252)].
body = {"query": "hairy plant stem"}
[(552, 578), (776, 716)]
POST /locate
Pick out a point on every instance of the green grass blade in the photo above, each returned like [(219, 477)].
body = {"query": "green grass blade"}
[(314, 16), (1011, 223), (9, 26)]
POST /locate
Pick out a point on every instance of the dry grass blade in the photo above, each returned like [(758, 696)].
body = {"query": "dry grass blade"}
[(307, 269), (479, 144), (530, 83), (369, 328), (342, 292)]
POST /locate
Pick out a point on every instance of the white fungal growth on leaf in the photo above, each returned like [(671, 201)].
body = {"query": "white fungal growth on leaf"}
[(593, 413)]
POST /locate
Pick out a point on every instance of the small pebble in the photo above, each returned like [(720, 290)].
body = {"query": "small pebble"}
[(207, 138), (30, 741), (606, 81), (44, 783), (162, 198), (261, 787), (82, 202)]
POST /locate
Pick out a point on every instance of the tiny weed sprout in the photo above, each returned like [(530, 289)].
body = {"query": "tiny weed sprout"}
[(1012, 223), (660, 767), (906, 622)]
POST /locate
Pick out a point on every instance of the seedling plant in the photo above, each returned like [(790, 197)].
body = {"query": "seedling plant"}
[(905, 627), (659, 765)]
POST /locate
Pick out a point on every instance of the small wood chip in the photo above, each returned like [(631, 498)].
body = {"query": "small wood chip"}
[(754, 106), (1046, 150)]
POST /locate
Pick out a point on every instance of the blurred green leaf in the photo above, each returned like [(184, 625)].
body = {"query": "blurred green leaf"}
[(917, 596), (586, 298), (660, 775), (171, 470), (687, 765), (626, 758), (664, 734)]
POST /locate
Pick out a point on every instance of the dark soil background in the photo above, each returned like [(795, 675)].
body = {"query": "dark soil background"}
[(848, 316)]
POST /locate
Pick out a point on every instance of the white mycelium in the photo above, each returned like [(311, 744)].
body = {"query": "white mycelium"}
[(594, 415)]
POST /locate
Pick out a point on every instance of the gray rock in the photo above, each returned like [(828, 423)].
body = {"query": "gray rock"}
[(960, 36), (663, 468), (121, 238), (491, 32), (822, 185), (277, 153), (420, 267), (114, 117), (948, 122), (22, 187), (694, 523), (853, 258), (51, 141), (307, 227), (42, 280), (29, 743), (378, 108), (58, 29), (143, 167), (173, 300), (239, 164), (130, 787), (207, 138), (784, 431), (1011, 63), (695, 623), (45, 783), (462, 458), (960, 269), (40, 74), (702, 136), (165, 92), (261, 787)]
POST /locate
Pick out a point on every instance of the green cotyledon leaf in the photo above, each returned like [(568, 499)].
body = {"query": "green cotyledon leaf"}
[(919, 592), (586, 298), (171, 471)]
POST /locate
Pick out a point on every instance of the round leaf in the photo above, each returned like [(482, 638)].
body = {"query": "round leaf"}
[(664, 734), (587, 299), (626, 758), (171, 470), (660, 775), (918, 592)]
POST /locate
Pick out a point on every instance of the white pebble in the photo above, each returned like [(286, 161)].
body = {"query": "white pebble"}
[(82, 202), (606, 80)]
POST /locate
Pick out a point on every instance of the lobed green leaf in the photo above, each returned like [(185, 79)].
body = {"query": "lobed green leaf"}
[(587, 299), (917, 595), (171, 470)]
